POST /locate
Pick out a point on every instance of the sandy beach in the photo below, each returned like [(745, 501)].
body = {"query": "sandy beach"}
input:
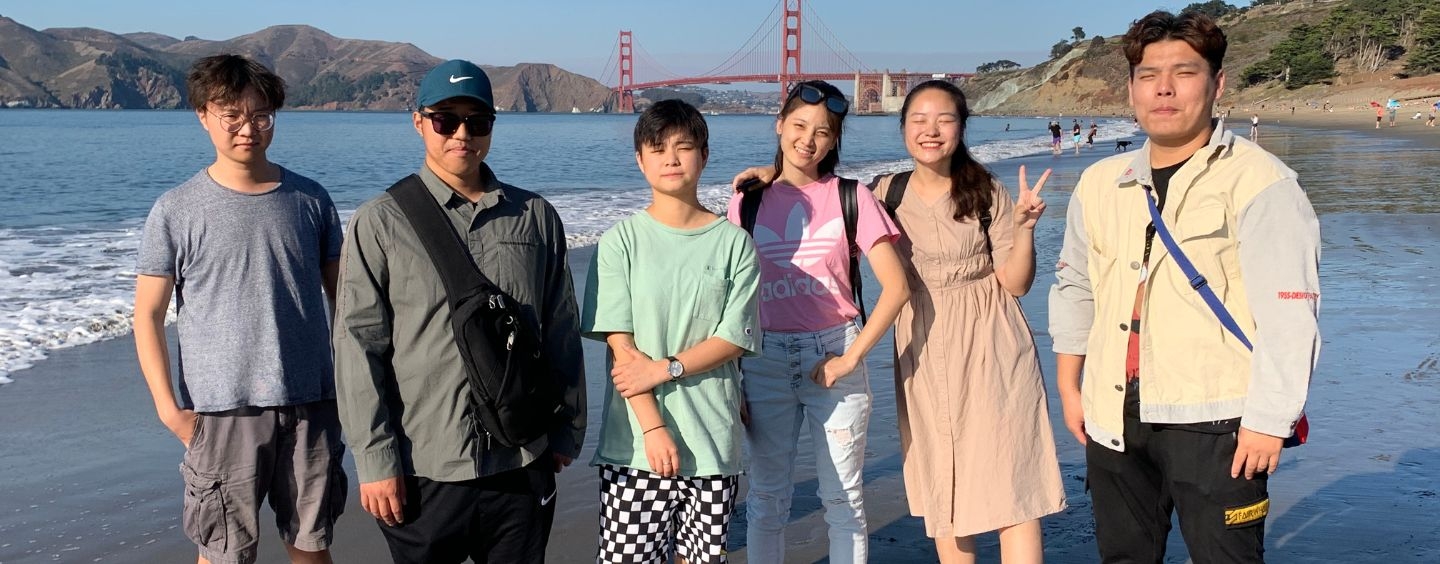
[(90, 474)]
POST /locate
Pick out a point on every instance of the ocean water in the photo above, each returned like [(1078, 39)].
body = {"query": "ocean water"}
[(80, 183)]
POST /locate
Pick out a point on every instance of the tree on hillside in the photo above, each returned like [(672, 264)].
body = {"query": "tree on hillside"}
[(1060, 48), (1368, 33), (1000, 65), (1372, 32), (1298, 60), (1214, 8), (1425, 59), (1078, 33)]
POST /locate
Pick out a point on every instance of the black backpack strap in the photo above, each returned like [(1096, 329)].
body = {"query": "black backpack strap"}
[(850, 208), (452, 259), (895, 193), (749, 208)]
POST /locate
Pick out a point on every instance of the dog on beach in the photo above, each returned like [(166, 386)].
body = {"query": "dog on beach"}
[(1122, 146)]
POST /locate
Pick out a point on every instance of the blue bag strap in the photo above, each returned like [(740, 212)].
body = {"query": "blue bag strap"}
[(1197, 281)]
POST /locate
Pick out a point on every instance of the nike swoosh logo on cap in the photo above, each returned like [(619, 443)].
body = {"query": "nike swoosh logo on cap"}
[(547, 499), (454, 79)]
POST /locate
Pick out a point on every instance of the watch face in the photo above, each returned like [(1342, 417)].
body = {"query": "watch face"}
[(676, 368)]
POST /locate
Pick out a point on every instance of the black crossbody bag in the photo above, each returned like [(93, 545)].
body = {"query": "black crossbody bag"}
[(513, 390)]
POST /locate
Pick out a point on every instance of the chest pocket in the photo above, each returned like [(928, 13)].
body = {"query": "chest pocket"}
[(1206, 238), (710, 293), (1204, 223), (516, 260)]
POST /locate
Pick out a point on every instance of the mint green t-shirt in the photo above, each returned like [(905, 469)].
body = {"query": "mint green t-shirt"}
[(672, 289)]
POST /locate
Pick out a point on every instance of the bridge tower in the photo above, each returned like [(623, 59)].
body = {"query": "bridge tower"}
[(625, 101), (789, 46)]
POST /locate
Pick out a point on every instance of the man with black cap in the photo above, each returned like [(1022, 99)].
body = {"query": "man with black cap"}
[(441, 486)]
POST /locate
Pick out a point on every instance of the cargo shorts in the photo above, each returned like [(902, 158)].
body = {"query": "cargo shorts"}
[(290, 455)]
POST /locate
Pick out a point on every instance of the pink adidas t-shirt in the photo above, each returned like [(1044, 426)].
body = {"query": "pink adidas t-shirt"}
[(804, 259)]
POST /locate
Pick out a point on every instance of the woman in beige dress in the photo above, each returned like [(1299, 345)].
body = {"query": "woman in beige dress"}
[(975, 433)]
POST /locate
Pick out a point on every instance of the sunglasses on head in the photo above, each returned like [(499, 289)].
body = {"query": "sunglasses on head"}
[(813, 95), (447, 123)]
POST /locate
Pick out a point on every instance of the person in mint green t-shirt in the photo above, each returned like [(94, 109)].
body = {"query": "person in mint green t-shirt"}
[(673, 290)]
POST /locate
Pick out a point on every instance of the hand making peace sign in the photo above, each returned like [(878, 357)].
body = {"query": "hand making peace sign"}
[(1029, 206)]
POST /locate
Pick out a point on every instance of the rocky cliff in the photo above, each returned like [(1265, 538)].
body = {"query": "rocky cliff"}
[(91, 68)]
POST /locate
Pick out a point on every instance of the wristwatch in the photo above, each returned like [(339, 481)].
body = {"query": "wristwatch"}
[(675, 369)]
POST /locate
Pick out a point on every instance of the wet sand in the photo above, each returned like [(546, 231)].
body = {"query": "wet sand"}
[(90, 474)]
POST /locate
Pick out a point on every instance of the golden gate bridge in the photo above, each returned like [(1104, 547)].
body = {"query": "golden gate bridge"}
[(775, 53)]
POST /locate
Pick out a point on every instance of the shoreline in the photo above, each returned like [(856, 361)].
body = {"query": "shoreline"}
[(1341, 120), (91, 474)]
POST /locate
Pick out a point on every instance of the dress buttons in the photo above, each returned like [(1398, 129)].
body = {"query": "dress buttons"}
[(1119, 388), (1115, 442), (1124, 327), (1134, 265)]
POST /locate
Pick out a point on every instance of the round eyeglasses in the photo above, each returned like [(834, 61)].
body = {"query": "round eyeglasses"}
[(234, 121)]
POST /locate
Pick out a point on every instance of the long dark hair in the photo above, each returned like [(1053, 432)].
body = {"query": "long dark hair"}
[(793, 101), (971, 184)]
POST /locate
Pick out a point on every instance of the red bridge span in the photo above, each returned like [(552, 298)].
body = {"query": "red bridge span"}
[(789, 46)]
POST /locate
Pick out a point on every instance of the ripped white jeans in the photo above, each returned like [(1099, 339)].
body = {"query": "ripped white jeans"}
[(781, 398)]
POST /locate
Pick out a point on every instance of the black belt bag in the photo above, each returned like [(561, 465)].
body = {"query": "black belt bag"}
[(513, 391)]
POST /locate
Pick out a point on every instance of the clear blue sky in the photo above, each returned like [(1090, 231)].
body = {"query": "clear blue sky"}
[(579, 35)]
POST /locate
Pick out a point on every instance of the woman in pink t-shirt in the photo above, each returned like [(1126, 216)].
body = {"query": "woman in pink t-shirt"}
[(812, 371)]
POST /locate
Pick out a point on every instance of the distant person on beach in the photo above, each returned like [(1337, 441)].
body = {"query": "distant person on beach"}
[(1379, 115), (250, 251), (1055, 144), (967, 327), (811, 375), (1090, 137), (1254, 127), (1175, 412), (445, 471), (1075, 135), (1392, 108), (1430, 122), (673, 291)]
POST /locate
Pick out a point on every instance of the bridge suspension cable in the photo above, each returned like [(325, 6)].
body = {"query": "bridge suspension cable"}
[(610, 65), (751, 45), (652, 66), (843, 56)]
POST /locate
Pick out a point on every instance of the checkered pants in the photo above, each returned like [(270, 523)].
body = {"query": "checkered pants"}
[(644, 516)]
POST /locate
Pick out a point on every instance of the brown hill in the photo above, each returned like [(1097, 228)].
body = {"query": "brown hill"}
[(91, 68), (529, 87)]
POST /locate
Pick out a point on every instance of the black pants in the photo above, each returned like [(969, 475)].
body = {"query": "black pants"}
[(502, 518), (1166, 468)]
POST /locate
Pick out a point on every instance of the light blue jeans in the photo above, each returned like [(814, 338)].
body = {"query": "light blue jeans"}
[(781, 397)]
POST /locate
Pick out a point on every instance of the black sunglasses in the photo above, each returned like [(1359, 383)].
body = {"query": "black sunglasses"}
[(447, 123), (812, 95)]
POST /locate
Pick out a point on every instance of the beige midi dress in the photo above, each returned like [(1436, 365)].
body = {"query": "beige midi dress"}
[(975, 432)]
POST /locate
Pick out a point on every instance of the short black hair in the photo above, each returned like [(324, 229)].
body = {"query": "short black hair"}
[(1194, 28), (223, 79), (666, 118)]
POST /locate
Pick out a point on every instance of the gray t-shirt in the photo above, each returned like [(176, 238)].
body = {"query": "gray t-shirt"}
[(253, 322)]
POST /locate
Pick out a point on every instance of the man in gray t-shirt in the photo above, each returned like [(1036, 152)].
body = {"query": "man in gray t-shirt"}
[(245, 247)]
